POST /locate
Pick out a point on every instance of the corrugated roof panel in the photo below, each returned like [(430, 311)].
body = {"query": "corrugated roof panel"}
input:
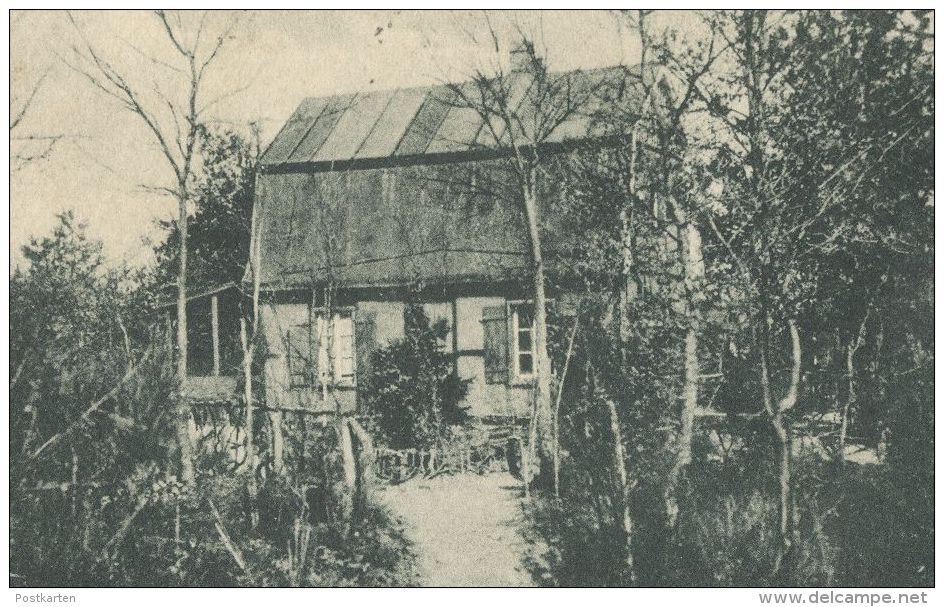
[(354, 126), (460, 127), (294, 130), (427, 120), (519, 86), (425, 125), (393, 123), (320, 130), (458, 131)]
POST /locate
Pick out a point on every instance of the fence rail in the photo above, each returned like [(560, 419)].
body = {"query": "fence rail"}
[(399, 465)]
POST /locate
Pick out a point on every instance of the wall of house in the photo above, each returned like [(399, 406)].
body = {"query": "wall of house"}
[(278, 319), (484, 399), (464, 316)]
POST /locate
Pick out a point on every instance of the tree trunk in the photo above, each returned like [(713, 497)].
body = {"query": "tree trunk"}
[(249, 429), (693, 272), (348, 469), (850, 400), (184, 444), (619, 463), (630, 287), (785, 452), (543, 410), (557, 403), (365, 467), (783, 431), (851, 350)]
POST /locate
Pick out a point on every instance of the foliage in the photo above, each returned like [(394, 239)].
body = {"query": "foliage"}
[(218, 229), (799, 153), (94, 499), (412, 392), (812, 199), (856, 529)]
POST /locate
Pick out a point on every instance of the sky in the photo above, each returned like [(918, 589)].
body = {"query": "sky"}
[(107, 157)]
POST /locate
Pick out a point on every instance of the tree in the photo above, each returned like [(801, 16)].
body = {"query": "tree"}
[(793, 164), (86, 403), (520, 112), (27, 145), (173, 116), (219, 227), (664, 187)]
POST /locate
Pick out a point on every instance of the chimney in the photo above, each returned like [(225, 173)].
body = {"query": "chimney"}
[(522, 56)]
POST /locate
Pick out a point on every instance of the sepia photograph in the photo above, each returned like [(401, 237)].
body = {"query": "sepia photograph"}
[(472, 298)]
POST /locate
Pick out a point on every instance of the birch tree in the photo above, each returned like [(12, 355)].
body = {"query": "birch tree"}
[(792, 169), (664, 183), (521, 111), (173, 115)]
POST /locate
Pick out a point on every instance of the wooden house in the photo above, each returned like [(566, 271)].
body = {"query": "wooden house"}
[(368, 201)]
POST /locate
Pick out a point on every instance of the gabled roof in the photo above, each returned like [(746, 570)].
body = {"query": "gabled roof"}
[(417, 223), (421, 121)]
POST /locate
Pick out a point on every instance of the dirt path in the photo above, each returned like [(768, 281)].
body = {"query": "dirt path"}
[(464, 527)]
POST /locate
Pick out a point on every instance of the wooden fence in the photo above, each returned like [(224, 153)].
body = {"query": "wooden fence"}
[(399, 465)]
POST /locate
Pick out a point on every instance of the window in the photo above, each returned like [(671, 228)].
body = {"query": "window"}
[(334, 364), (336, 348), (522, 339)]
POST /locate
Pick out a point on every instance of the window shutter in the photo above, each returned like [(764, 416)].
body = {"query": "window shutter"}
[(364, 341), (314, 351), (301, 356), (495, 332)]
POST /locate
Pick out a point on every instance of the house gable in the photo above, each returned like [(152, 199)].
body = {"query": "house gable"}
[(404, 187)]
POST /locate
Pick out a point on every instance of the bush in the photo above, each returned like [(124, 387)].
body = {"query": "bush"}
[(93, 497), (412, 392)]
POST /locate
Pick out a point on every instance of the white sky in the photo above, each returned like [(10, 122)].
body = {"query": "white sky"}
[(280, 57)]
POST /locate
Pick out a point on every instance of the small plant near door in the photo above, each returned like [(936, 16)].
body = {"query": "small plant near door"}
[(412, 392)]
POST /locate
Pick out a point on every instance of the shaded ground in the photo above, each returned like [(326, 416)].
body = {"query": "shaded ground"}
[(464, 527)]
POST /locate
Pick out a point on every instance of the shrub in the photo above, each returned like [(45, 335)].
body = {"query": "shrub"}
[(412, 392)]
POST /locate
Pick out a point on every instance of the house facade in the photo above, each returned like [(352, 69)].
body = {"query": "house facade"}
[(369, 202)]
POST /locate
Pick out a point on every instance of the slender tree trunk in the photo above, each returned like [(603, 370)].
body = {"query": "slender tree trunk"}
[(557, 403), (783, 461), (851, 350), (184, 444), (365, 466), (630, 288), (850, 400), (544, 432), (249, 429), (693, 272), (784, 433), (619, 463), (690, 392), (348, 469)]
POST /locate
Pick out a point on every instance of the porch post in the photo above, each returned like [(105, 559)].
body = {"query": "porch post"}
[(215, 322)]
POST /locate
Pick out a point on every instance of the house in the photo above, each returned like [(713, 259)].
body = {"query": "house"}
[(368, 201)]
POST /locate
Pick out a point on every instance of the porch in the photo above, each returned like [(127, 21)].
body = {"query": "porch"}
[(214, 352)]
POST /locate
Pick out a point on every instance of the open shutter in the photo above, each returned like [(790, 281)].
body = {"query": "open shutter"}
[(495, 333), (314, 347), (364, 341), (299, 354)]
